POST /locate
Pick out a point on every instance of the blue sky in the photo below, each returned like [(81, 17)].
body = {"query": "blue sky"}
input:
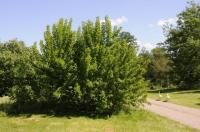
[(27, 19)]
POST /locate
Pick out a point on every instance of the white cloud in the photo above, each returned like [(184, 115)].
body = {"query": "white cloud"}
[(118, 21), (148, 46), (163, 22), (151, 25)]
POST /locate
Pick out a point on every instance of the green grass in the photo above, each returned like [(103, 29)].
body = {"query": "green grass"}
[(190, 98), (138, 121)]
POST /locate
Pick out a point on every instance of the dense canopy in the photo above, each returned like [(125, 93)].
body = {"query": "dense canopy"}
[(93, 70)]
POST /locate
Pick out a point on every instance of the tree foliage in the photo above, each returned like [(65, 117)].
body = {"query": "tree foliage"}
[(183, 45), (157, 65), (94, 70), (15, 65)]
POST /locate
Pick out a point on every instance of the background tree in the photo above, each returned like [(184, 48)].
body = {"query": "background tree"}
[(157, 65), (183, 45), (16, 69), (130, 39)]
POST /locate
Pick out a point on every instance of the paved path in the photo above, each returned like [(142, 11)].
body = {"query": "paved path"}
[(182, 114)]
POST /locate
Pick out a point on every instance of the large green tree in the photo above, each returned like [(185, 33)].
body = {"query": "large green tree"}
[(94, 69), (183, 45)]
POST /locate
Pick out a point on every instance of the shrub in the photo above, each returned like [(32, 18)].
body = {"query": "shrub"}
[(92, 70)]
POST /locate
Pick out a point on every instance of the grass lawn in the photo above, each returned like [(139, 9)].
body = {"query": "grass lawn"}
[(138, 121), (190, 98)]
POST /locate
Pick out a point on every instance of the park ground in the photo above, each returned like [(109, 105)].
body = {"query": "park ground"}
[(138, 121), (189, 98)]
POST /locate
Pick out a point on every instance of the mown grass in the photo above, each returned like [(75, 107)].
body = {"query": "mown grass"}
[(138, 121), (190, 98)]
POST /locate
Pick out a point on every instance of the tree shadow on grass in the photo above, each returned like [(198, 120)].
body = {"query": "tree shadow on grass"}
[(168, 90), (11, 110), (197, 103), (189, 91), (174, 90), (5, 107)]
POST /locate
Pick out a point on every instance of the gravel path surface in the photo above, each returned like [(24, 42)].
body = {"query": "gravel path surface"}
[(182, 114)]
